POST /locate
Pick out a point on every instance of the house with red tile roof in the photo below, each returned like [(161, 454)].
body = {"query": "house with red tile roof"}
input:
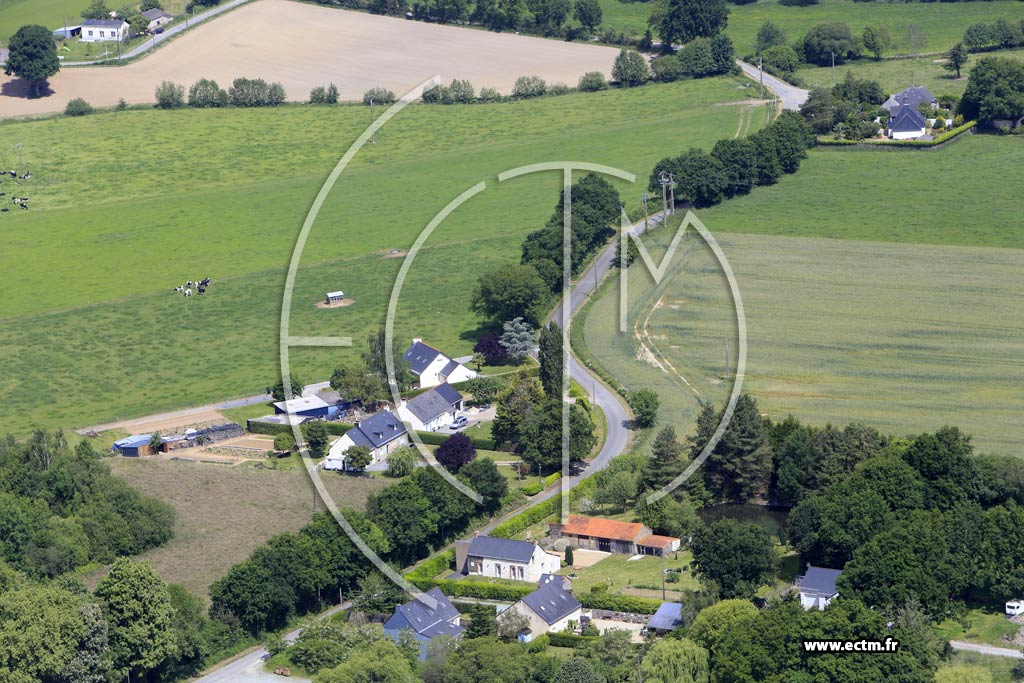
[(612, 536)]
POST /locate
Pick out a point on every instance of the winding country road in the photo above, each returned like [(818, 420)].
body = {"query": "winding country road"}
[(990, 650), (792, 97)]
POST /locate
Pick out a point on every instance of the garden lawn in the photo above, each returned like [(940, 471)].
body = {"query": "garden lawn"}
[(943, 24), (896, 74), (93, 330), (620, 574), (49, 13), (985, 626)]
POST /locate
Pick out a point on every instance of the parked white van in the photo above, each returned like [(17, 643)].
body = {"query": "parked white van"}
[(1014, 608)]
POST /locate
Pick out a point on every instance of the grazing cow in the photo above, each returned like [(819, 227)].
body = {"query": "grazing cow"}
[(188, 293), (179, 289), (28, 174), (202, 290), (14, 174), (205, 282), (5, 209), (188, 283)]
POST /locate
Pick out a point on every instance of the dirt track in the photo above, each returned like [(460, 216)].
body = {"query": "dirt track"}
[(303, 46)]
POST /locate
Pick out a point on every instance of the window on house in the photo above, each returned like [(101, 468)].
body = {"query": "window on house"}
[(102, 34), (90, 34)]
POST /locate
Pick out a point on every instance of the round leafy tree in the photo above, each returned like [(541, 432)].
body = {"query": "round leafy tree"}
[(33, 56), (455, 451)]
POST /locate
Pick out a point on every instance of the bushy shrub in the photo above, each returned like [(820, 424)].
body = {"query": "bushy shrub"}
[(529, 86), (667, 68), (958, 120), (322, 95), (206, 93), (275, 95), (248, 92), (781, 60), (630, 68), (592, 81), (532, 489), (436, 95), (559, 89), (170, 95), (460, 92), (379, 95), (78, 107), (490, 95)]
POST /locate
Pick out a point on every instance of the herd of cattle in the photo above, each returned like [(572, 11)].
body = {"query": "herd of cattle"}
[(186, 288), (18, 201)]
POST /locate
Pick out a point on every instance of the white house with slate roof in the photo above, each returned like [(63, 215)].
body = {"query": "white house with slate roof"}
[(907, 124), (817, 587), (426, 622), (912, 97), (97, 30), (383, 433), (432, 410), (501, 558), (549, 609), (433, 367), (156, 18)]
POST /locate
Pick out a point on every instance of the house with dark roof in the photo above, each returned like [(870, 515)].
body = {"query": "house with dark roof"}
[(432, 410), (669, 617), (612, 536), (426, 619), (156, 18), (912, 97), (817, 587), (99, 30), (907, 124), (549, 609), (383, 433), (433, 367), (502, 558)]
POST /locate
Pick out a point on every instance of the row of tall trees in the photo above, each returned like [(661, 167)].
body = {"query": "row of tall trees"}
[(735, 167)]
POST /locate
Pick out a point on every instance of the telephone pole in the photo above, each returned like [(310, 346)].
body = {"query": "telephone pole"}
[(643, 200), (672, 192), (760, 74), (663, 179)]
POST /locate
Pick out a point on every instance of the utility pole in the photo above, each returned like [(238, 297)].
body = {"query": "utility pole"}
[(672, 192), (643, 200), (663, 179), (760, 74), (373, 131), (833, 69)]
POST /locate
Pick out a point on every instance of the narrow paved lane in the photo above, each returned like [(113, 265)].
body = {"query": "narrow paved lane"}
[(990, 650), (792, 97)]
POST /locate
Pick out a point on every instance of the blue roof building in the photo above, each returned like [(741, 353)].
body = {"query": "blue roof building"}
[(382, 433), (425, 621), (668, 618), (549, 609), (818, 587)]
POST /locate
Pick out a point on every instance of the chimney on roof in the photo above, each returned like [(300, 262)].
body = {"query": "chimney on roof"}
[(417, 340), (476, 534)]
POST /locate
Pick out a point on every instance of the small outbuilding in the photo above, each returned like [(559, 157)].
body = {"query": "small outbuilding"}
[(304, 406), (134, 446), (67, 32), (156, 18), (669, 617), (331, 298)]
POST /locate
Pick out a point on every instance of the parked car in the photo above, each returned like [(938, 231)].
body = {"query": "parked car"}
[(158, 30), (459, 422)]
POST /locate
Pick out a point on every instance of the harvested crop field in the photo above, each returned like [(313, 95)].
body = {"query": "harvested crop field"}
[(225, 511), (303, 46)]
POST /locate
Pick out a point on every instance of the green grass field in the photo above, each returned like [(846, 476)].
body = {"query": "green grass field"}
[(621, 574), (985, 626), (896, 74), (904, 336), (53, 14), (943, 24), (1001, 668), (93, 330)]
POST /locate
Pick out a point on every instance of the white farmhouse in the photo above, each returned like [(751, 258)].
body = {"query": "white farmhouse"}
[(549, 609), (99, 30), (432, 410), (501, 558), (817, 587), (383, 433), (433, 367)]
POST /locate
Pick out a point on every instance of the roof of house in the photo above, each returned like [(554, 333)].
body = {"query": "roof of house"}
[(300, 404), (657, 541), (668, 617), (155, 13), (907, 119), (599, 527), (914, 96), (283, 419), (818, 581), (430, 404), (420, 355), (377, 430), (449, 393), (134, 440), (104, 23), (566, 581), (425, 620), (551, 602), (450, 368), (501, 549)]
